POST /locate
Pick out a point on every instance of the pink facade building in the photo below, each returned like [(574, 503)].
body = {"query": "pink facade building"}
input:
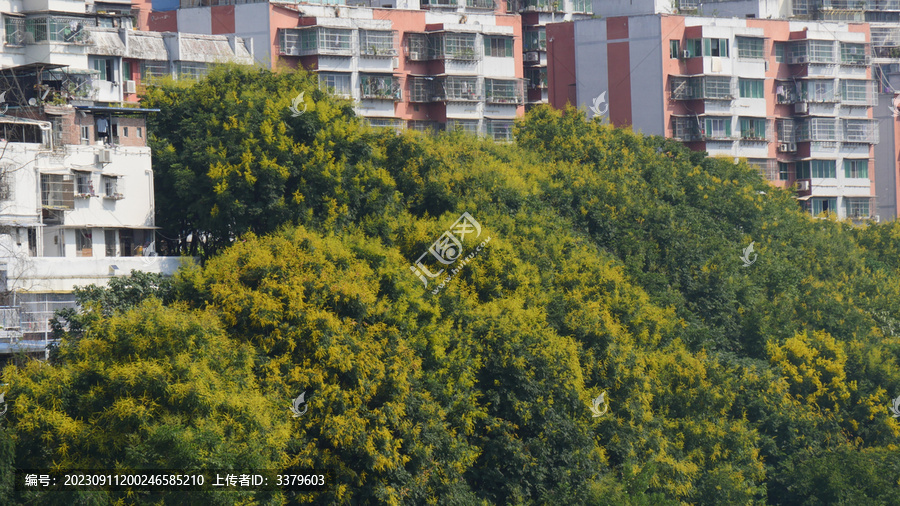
[(794, 98), (442, 64)]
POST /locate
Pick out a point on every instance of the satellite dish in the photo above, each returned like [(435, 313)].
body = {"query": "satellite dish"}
[(32, 101)]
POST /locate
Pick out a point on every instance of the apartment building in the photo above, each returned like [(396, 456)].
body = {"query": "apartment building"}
[(794, 98), (76, 182), (430, 65)]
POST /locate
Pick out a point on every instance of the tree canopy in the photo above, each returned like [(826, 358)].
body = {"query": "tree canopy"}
[(613, 267)]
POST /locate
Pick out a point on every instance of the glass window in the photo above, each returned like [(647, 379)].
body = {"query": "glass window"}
[(785, 170), (674, 49), (818, 168), (718, 128), (751, 88), (536, 40), (715, 47), (377, 43), (856, 168), (779, 52), (498, 46), (857, 207), (855, 91), (753, 128), (853, 54), (84, 243), (15, 31), (110, 239), (819, 205), (338, 84), (717, 88), (750, 47), (83, 183)]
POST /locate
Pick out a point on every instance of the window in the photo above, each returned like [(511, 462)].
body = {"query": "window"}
[(481, 4), (857, 208), (110, 239), (57, 191), (582, 6), (537, 77), (498, 91), (718, 128), (111, 187), (125, 132), (377, 43), (83, 184), (750, 47), (779, 52), (536, 40), (856, 91), (15, 30), (85, 134), (853, 54), (465, 125), (461, 88), (715, 47), (316, 40), (379, 87), (191, 70), (84, 243), (856, 168), (802, 169), (57, 29), (817, 91), (151, 69), (819, 205), (753, 128), (105, 67), (817, 168), (126, 71), (460, 46), (7, 181), (140, 133), (786, 131), (674, 49), (860, 130), (338, 84), (499, 130), (498, 46), (751, 88), (717, 88), (785, 170)]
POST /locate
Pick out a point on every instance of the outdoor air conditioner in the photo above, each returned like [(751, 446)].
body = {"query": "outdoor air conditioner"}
[(130, 87), (803, 186), (413, 55), (792, 146), (103, 156), (801, 108), (686, 53), (532, 57), (395, 62), (783, 147)]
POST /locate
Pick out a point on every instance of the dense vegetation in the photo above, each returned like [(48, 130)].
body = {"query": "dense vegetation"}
[(614, 266)]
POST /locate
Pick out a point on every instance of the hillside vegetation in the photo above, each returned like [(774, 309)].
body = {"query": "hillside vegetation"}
[(614, 265)]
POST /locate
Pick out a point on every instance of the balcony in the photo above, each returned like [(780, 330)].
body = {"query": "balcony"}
[(379, 87), (444, 89), (499, 91), (439, 3), (863, 131), (378, 43), (702, 88), (481, 4), (315, 40)]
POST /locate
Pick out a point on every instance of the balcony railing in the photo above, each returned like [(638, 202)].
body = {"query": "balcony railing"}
[(498, 91), (481, 4), (379, 87), (316, 40)]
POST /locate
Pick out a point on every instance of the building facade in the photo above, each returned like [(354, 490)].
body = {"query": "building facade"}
[(796, 99), (438, 64), (76, 182)]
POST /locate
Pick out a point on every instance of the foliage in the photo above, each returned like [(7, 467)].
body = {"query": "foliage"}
[(614, 266)]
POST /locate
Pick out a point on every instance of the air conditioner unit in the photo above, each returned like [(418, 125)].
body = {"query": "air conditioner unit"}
[(686, 53), (801, 108), (877, 218), (413, 55), (395, 62), (103, 156), (803, 186), (784, 147), (792, 146), (130, 87), (532, 57)]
